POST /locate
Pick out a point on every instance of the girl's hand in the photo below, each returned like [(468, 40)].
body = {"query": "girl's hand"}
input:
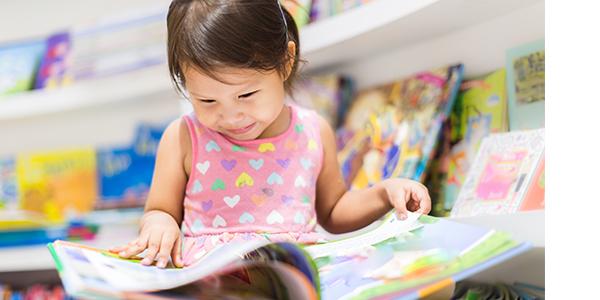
[(161, 235), (406, 195)]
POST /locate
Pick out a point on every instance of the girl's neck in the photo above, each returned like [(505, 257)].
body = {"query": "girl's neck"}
[(280, 125)]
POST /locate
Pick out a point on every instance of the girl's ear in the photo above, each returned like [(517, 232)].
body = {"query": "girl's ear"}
[(291, 59)]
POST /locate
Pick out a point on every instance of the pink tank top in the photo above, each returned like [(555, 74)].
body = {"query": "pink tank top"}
[(262, 188)]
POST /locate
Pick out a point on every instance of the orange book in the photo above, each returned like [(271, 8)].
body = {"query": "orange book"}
[(534, 198)]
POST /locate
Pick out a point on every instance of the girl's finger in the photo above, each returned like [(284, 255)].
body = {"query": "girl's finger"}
[(137, 246), (118, 249), (166, 245), (399, 200), (153, 247), (176, 252), (424, 201)]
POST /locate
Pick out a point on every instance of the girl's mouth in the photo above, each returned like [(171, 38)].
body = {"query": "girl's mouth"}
[(242, 130)]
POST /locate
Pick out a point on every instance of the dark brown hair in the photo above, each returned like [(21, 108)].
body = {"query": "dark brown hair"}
[(212, 34)]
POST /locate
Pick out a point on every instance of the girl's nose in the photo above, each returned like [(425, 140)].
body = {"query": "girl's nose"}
[(232, 117)]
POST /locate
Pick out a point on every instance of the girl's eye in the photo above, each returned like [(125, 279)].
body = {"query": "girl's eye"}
[(207, 100), (248, 94)]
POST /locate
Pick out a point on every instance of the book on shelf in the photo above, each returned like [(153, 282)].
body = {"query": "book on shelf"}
[(480, 109), (19, 64), (8, 184), (58, 184), (395, 127), (400, 259), (505, 171), (525, 77)]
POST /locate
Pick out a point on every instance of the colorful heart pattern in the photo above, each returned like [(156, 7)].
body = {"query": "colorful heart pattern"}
[(207, 205), (266, 147), (232, 201), (203, 167), (247, 177), (219, 184), (275, 178), (218, 221), (212, 146), (244, 180), (256, 164), (246, 218), (275, 217), (228, 164)]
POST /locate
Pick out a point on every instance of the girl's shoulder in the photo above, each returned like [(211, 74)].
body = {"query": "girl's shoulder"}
[(178, 140)]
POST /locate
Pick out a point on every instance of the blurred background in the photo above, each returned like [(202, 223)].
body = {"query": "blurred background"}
[(412, 87)]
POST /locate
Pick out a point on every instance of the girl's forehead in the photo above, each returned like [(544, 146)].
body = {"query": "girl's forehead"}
[(229, 75)]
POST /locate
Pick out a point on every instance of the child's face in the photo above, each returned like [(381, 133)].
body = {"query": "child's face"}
[(247, 105)]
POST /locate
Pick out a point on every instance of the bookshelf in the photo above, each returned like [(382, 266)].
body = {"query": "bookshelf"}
[(374, 43), (327, 45)]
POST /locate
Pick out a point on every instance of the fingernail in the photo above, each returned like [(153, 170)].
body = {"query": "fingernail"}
[(403, 216), (122, 253), (145, 261), (161, 263)]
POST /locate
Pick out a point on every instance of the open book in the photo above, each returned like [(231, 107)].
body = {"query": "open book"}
[(402, 259)]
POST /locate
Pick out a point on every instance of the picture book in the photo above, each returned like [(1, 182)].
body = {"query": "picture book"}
[(328, 95), (400, 259), (58, 183), (535, 197), (501, 173), (480, 109), (396, 127), (124, 177), (19, 64), (117, 43), (8, 184), (52, 72), (125, 173), (525, 77)]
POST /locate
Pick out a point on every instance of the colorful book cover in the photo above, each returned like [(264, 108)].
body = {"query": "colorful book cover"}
[(480, 109), (58, 183), (124, 177), (396, 127), (535, 196), (125, 173), (8, 184), (525, 76), (117, 44), (52, 72), (501, 173), (19, 64), (481, 103)]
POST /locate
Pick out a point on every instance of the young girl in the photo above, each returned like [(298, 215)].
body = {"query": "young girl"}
[(244, 164)]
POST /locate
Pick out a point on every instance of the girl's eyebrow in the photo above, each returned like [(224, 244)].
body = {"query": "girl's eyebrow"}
[(249, 87)]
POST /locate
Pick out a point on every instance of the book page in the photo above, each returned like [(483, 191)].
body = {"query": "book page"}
[(390, 227), (99, 269)]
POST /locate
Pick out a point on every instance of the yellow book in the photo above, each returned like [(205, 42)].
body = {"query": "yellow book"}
[(57, 183)]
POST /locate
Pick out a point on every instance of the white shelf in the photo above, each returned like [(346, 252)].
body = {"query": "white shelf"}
[(135, 85), (36, 258), (382, 25), (527, 226), (361, 32), (523, 226)]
